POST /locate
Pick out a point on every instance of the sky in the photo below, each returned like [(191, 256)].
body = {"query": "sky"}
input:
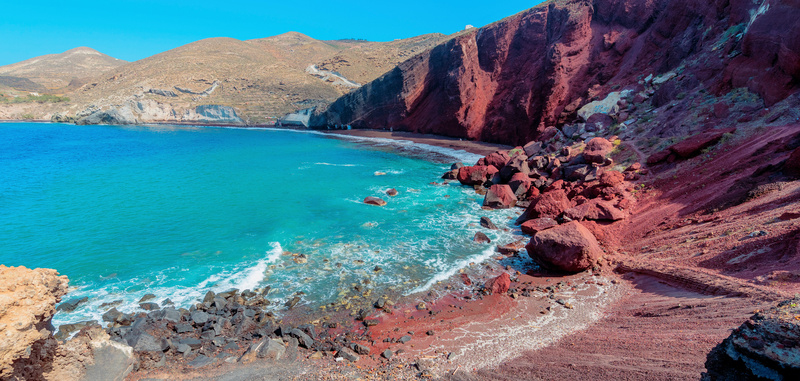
[(136, 29)]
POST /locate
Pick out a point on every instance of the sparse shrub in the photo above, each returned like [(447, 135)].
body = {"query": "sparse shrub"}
[(27, 116)]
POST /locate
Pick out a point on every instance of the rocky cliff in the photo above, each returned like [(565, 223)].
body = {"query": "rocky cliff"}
[(509, 81), (27, 304)]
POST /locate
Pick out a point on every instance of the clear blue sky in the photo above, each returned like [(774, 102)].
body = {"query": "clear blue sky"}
[(135, 29)]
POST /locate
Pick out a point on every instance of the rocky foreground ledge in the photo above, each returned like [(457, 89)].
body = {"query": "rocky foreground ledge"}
[(28, 350)]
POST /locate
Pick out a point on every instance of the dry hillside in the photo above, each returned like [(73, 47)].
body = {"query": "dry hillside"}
[(260, 80)]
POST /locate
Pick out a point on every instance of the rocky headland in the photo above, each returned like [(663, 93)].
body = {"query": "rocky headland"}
[(653, 158)]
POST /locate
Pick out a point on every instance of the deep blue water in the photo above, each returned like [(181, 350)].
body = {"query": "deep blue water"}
[(175, 211)]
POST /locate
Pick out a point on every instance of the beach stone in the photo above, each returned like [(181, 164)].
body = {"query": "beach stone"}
[(201, 361), (147, 297), (404, 339), (500, 196), (531, 227), (569, 247), (183, 328), (596, 150), (72, 304), (304, 340), (347, 354), (112, 315), (487, 223), (183, 348), (481, 238), (149, 306), (374, 201), (360, 349), (392, 192), (192, 342), (387, 354), (171, 314), (450, 175), (199, 317), (500, 284), (273, 349), (457, 165)]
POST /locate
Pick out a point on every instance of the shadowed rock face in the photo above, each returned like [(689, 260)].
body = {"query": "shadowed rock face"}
[(510, 80), (763, 348)]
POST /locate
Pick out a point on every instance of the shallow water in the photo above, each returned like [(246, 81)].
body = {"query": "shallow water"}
[(176, 211)]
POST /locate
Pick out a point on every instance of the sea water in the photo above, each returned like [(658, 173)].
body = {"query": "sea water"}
[(125, 211)]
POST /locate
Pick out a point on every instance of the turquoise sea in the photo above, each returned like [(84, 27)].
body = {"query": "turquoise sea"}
[(175, 211)]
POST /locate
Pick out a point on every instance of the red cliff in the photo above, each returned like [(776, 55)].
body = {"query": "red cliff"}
[(510, 80)]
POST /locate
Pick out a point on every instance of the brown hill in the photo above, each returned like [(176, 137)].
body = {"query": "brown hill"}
[(254, 82), (56, 71)]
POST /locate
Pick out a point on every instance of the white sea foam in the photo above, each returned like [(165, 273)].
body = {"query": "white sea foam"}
[(339, 165), (452, 270)]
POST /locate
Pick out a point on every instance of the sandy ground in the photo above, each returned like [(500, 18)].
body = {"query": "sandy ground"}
[(480, 148)]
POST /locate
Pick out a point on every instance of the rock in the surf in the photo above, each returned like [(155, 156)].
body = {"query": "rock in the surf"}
[(374, 201)]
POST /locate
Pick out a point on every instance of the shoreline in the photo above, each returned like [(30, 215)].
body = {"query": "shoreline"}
[(474, 147)]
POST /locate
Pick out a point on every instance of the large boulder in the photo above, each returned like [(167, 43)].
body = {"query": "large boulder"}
[(596, 150), (520, 184), (531, 227), (500, 196), (476, 175), (597, 210), (766, 347), (570, 247), (497, 159), (599, 122), (549, 204), (517, 164)]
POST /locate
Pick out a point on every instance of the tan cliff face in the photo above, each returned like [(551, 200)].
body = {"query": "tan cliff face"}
[(259, 80), (510, 80), (27, 304)]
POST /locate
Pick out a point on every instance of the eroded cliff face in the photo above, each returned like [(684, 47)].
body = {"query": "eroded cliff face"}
[(27, 304), (509, 81)]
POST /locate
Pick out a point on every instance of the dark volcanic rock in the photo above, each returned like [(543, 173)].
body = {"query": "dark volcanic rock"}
[(792, 165), (72, 304), (481, 238), (487, 223), (765, 347), (569, 247)]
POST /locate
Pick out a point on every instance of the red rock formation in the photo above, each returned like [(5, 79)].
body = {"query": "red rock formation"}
[(508, 82), (569, 247)]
